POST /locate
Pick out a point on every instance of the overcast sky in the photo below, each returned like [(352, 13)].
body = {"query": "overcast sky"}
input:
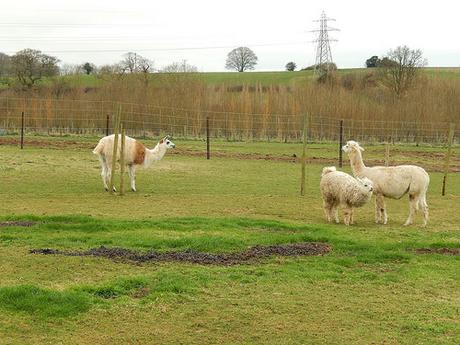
[(204, 31)]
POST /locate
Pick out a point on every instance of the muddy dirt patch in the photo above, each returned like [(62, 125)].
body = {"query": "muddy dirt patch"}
[(443, 251), (23, 223), (249, 255), (43, 143)]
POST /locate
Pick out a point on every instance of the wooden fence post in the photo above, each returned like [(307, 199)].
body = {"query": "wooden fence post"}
[(115, 147), (107, 125), (208, 152), (22, 130), (341, 144), (387, 154), (304, 156), (450, 140), (122, 160)]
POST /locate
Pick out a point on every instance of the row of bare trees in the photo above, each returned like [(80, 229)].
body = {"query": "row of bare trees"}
[(398, 70), (28, 66)]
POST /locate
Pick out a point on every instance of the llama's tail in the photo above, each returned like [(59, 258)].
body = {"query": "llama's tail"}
[(327, 170), (422, 201), (99, 148), (422, 204)]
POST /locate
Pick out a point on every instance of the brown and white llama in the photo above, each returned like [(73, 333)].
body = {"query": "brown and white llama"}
[(136, 155)]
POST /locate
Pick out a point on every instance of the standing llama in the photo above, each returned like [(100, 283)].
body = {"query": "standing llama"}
[(341, 189), (392, 182), (136, 155)]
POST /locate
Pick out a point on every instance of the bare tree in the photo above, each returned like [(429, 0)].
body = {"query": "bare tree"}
[(129, 63), (5, 65), (70, 69), (241, 59), (110, 72), (144, 65), (179, 67), (30, 65), (400, 68)]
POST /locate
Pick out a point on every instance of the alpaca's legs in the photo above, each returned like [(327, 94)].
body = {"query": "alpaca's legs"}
[(424, 207), (378, 214), (327, 211), (380, 210), (347, 215), (109, 175), (352, 221), (413, 207), (104, 178), (132, 176), (104, 172), (335, 211)]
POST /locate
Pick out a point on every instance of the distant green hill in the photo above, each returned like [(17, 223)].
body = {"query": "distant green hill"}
[(235, 78)]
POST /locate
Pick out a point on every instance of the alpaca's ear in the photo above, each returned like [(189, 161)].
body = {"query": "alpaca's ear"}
[(161, 141), (359, 147)]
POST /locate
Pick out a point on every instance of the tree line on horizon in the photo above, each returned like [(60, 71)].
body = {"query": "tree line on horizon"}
[(397, 70)]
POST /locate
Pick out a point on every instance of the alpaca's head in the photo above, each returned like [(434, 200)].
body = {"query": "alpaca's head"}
[(351, 147), (366, 185), (166, 142)]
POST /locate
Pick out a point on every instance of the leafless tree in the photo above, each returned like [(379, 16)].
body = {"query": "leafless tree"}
[(144, 65), (129, 62), (400, 68), (241, 59), (30, 65), (110, 72), (5, 65), (179, 67), (70, 69)]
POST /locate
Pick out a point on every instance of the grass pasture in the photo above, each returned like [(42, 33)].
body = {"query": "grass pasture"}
[(372, 288)]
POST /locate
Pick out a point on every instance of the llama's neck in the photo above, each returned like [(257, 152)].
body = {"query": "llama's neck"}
[(356, 162), (154, 155)]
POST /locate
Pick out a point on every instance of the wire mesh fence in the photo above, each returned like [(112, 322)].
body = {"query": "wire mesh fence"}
[(62, 116)]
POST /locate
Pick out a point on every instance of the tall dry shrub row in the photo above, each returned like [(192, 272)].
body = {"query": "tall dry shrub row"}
[(179, 105)]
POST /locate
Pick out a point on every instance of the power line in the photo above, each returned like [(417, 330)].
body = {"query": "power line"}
[(46, 25), (164, 49)]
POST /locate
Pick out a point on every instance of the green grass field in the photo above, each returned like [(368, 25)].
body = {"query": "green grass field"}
[(235, 78), (372, 288), (262, 78)]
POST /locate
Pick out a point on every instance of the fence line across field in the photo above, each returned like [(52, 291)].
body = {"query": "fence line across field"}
[(128, 106), (90, 117)]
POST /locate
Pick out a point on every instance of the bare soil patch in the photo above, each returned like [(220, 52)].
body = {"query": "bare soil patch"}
[(293, 158), (43, 143), (443, 251), (24, 223), (249, 255)]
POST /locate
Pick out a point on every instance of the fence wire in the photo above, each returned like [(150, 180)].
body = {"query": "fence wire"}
[(58, 116)]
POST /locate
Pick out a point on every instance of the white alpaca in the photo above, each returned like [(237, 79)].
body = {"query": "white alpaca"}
[(136, 155), (392, 182), (341, 189)]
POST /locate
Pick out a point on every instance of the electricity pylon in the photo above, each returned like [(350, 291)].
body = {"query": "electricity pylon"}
[(323, 61)]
